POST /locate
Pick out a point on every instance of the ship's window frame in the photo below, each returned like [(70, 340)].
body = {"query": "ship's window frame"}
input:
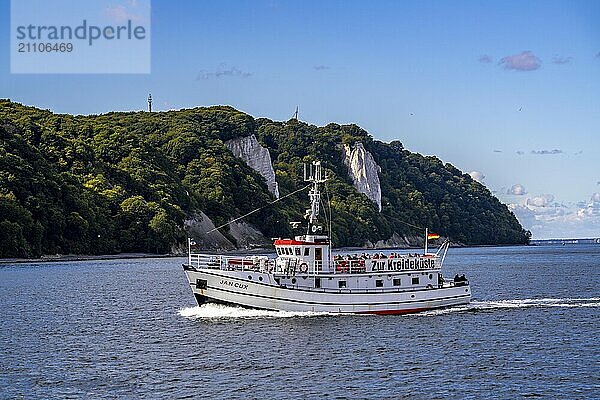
[(430, 276), (294, 281), (415, 280), (306, 251), (397, 282), (317, 283), (297, 250), (318, 254), (378, 282), (278, 250), (342, 284)]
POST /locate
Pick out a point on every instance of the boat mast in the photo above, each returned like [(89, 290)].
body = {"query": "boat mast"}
[(314, 174)]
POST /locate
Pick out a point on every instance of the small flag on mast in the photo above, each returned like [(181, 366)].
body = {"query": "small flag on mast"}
[(433, 236)]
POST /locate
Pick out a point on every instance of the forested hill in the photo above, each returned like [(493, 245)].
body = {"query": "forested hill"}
[(127, 182)]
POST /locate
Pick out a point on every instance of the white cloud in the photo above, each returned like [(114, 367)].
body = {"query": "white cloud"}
[(524, 61), (547, 219), (129, 10), (546, 152), (561, 60), (517, 190), (540, 201), (223, 71), (478, 176)]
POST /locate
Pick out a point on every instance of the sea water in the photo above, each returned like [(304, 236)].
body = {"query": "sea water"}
[(129, 329)]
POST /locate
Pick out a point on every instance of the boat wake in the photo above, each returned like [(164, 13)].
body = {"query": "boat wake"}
[(476, 306), (218, 311)]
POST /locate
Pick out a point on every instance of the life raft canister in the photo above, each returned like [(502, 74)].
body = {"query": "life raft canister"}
[(303, 268)]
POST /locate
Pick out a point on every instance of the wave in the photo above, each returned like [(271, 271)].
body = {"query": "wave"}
[(492, 305), (218, 311)]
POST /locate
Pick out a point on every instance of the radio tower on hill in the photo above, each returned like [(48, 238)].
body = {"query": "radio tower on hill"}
[(149, 102)]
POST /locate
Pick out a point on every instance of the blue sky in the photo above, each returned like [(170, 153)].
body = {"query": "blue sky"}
[(509, 89)]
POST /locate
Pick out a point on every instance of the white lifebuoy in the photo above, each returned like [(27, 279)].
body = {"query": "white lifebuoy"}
[(303, 268)]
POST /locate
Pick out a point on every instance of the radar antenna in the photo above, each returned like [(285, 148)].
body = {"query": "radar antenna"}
[(314, 174)]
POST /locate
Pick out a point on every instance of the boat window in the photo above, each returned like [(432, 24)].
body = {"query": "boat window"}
[(318, 253), (397, 282), (430, 276), (293, 281), (415, 280), (342, 284), (306, 251), (378, 283), (288, 251), (278, 251), (317, 283), (297, 251)]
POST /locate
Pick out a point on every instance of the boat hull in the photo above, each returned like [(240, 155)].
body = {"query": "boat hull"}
[(230, 287)]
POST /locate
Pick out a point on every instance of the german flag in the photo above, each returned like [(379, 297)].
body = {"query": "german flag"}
[(433, 236)]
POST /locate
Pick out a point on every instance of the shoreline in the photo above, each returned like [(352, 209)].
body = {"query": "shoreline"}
[(84, 257), (127, 256)]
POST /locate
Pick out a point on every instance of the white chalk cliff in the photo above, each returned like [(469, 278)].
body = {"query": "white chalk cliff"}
[(257, 157), (363, 171)]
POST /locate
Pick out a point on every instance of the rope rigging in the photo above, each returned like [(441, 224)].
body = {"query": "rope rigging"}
[(409, 224), (258, 209)]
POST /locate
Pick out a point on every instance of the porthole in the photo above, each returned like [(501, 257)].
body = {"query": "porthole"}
[(412, 296), (467, 290), (293, 281), (249, 277), (260, 278), (430, 276)]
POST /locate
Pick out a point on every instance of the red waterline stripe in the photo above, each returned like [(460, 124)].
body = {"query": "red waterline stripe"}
[(395, 312)]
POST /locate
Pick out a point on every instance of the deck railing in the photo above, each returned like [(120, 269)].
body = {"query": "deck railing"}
[(291, 266), (215, 261)]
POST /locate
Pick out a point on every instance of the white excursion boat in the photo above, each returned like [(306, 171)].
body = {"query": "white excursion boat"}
[(304, 276)]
